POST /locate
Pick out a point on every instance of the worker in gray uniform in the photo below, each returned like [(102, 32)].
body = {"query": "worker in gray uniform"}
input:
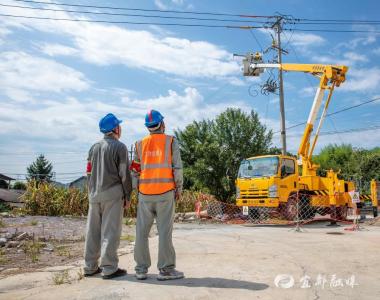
[(109, 187), (157, 168)]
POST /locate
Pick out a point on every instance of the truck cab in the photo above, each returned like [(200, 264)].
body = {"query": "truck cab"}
[(266, 181)]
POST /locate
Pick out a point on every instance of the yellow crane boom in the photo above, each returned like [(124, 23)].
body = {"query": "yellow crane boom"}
[(329, 76)]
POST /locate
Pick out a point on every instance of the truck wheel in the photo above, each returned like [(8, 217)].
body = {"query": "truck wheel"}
[(253, 214), (306, 210), (289, 210), (323, 211), (340, 213)]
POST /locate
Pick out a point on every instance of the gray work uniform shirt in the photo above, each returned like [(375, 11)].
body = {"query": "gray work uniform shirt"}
[(177, 172), (110, 177)]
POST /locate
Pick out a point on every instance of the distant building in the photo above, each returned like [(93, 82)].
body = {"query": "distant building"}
[(80, 183), (58, 184), (5, 181), (11, 197)]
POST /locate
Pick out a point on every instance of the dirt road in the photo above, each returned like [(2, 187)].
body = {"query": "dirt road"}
[(232, 262)]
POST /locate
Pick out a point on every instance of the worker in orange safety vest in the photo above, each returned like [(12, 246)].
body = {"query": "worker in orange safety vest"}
[(157, 170)]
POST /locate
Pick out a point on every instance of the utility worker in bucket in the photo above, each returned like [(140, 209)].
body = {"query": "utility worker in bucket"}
[(109, 188), (157, 165)]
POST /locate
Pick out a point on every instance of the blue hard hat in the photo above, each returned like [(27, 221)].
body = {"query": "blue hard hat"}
[(108, 123), (153, 118)]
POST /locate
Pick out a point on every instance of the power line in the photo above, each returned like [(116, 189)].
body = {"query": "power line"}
[(333, 30), (128, 22), (53, 173), (257, 41), (339, 23), (53, 163), (130, 15), (335, 112), (183, 24), (140, 9), (84, 152), (338, 20), (376, 127), (317, 21), (45, 153)]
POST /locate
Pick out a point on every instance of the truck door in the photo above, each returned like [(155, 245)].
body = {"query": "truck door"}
[(289, 178)]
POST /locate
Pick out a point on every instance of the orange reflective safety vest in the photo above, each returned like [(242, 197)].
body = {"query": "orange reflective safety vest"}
[(155, 154)]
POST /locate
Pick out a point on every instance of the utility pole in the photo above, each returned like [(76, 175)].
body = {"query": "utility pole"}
[(249, 69), (278, 28)]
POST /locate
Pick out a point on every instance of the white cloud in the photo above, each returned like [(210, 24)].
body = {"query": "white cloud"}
[(362, 80), (132, 48), (71, 120), (307, 91), (21, 71), (355, 57), (161, 31), (307, 40), (236, 81), (3, 33), (57, 49), (348, 59), (366, 139), (178, 2), (170, 55), (160, 4), (76, 121), (356, 42), (178, 109), (72, 125)]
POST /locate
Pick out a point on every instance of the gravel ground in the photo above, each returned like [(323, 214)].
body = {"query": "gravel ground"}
[(49, 241)]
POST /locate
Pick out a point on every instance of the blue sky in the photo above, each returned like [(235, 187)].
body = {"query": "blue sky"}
[(57, 78)]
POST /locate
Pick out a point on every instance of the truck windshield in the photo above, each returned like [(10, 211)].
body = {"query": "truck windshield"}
[(258, 167)]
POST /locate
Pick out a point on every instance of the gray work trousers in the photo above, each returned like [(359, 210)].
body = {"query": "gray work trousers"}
[(104, 225), (147, 211)]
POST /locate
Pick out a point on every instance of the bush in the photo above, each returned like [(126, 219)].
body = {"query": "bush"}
[(48, 200), (4, 207), (188, 200), (19, 185), (132, 210)]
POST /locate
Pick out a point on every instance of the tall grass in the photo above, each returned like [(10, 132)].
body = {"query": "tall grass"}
[(188, 200), (48, 200)]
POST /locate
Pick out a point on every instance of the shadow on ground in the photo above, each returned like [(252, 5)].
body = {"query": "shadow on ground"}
[(209, 282), (316, 224)]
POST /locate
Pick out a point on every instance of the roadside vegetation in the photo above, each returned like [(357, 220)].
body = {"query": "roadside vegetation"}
[(46, 199), (211, 151), (358, 165)]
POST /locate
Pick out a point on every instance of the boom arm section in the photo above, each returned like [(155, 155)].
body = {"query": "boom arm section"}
[(329, 76)]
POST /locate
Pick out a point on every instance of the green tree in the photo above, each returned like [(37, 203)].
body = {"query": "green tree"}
[(338, 157), (358, 165), (213, 149), (40, 170), (19, 185), (368, 168)]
